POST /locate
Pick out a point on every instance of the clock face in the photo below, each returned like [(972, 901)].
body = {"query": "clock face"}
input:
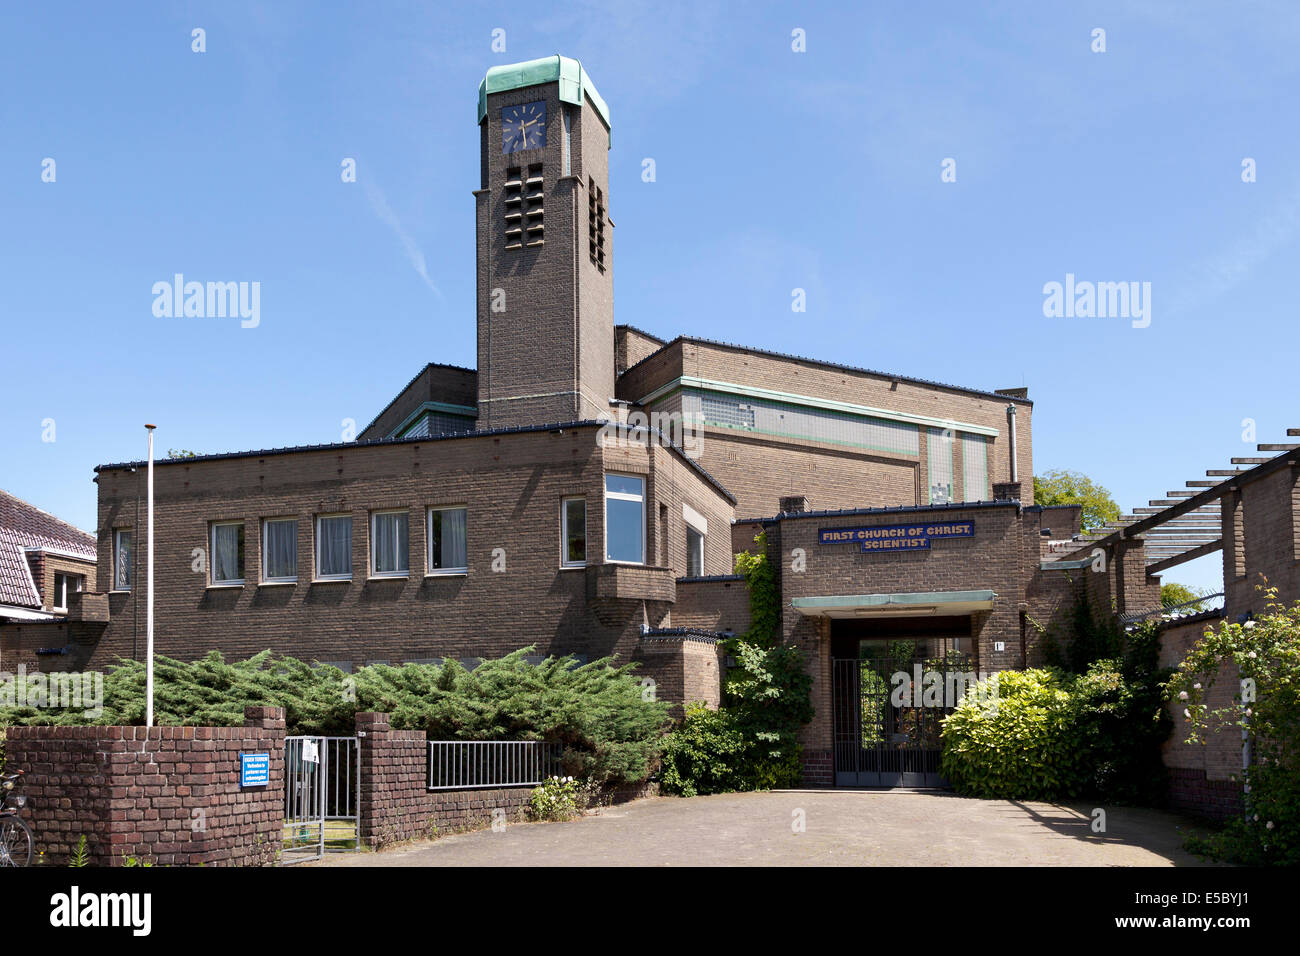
[(523, 127)]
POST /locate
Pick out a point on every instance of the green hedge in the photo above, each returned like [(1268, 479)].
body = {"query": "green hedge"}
[(1046, 734), (609, 732)]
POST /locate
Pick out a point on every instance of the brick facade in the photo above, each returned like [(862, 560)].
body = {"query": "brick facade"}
[(760, 468), (169, 795), (512, 485)]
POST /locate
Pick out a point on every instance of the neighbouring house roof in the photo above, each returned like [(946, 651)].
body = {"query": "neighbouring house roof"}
[(23, 528)]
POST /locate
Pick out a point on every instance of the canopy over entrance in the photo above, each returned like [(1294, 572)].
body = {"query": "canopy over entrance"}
[(897, 604)]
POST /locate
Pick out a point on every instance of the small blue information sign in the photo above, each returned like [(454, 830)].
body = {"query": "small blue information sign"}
[(254, 770)]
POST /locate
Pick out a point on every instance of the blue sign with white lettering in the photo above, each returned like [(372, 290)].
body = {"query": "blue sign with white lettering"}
[(900, 537), (254, 770)]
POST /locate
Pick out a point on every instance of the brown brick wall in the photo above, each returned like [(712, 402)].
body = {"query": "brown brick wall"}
[(1204, 779), (169, 795), (761, 469), (436, 383), (712, 605), (1260, 541), (512, 484), (555, 338), (685, 670), (631, 346)]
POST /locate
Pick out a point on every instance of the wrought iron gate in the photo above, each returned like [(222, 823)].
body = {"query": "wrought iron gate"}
[(886, 733), (321, 786)]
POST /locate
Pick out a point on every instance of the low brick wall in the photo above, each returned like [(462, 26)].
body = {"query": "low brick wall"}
[(169, 795), (818, 768), (1204, 779), (395, 802), (1190, 791)]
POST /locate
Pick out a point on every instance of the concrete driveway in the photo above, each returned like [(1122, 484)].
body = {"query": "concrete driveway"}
[(840, 828)]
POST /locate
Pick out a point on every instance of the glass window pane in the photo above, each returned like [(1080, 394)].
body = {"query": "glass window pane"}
[(280, 549), (389, 553), (939, 451), (623, 484), (575, 531), (334, 546), (227, 553), (694, 553), (974, 467), (122, 561), (448, 549), (624, 530)]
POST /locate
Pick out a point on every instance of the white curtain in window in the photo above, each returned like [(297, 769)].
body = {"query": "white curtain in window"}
[(334, 537), (225, 552), (453, 544), (281, 549), (390, 544)]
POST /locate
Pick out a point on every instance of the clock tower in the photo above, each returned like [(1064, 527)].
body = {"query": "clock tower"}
[(545, 289)]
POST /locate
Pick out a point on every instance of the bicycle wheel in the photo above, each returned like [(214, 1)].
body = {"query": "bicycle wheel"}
[(16, 844)]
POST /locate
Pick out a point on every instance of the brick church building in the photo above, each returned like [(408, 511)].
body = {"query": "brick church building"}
[(586, 487)]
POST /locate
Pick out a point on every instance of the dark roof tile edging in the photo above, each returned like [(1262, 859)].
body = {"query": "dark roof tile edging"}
[(377, 442), (982, 393)]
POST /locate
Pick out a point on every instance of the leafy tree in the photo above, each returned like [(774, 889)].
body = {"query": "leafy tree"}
[(1172, 593), (181, 453), (1059, 487)]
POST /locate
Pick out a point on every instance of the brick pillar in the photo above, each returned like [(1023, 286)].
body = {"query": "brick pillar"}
[(373, 731), (1006, 490), (265, 718)]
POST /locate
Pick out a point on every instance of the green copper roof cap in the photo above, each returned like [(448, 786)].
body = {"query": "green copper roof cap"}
[(575, 84)]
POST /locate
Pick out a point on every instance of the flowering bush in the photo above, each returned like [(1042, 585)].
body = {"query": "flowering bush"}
[(558, 798), (1266, 704)]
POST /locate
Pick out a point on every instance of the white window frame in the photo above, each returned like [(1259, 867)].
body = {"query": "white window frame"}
[(278, 580), (117, 553), (691, 529), (700, 525), (430, 570), (316, 573), (212, 551), (565, 562), (370, 545), (80, 580), (624, 496)]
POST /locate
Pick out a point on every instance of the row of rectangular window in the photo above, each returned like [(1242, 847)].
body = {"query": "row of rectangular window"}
[(389, 547), (625, 523)]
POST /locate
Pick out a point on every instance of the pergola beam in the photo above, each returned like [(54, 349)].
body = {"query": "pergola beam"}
[(1171, 562)]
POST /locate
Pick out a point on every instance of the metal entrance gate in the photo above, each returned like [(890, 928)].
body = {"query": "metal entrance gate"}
[(322, 779), (880, 742)]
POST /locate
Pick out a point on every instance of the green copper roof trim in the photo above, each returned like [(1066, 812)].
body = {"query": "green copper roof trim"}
[(575, 84), (467, 411), (827, 404), (897, 599)]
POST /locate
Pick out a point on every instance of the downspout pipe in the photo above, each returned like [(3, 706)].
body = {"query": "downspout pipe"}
[(1011, 432)]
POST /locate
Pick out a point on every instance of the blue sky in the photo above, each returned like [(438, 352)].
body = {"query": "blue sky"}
[(775, 170)]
